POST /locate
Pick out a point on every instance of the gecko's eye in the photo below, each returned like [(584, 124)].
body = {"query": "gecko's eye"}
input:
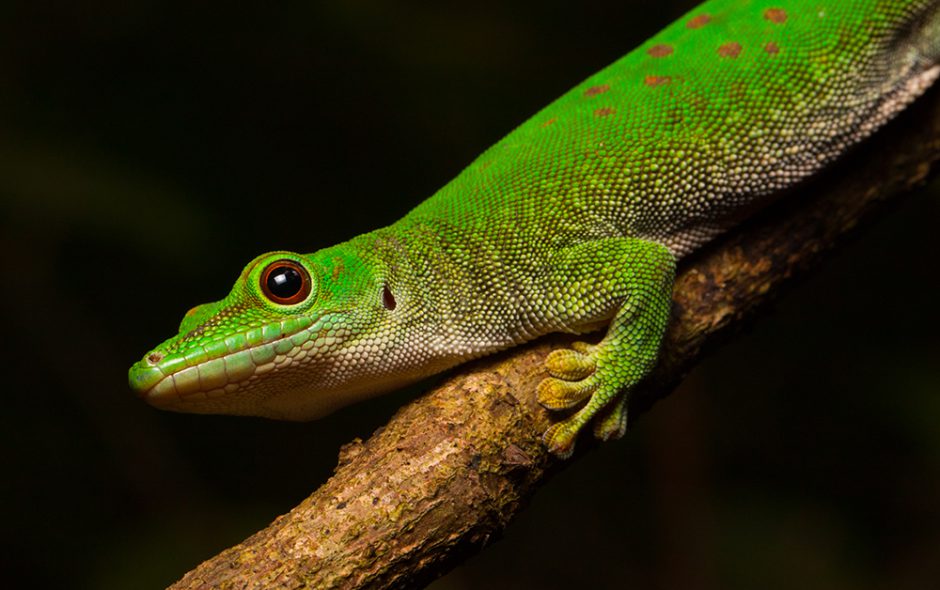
[(285, 282)]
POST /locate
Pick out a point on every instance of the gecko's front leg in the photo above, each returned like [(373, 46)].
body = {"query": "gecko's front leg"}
[(633, 277)]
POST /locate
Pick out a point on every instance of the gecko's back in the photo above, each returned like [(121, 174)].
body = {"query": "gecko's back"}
[(677, 139)]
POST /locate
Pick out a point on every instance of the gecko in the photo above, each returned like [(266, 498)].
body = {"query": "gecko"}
[(573, 222)]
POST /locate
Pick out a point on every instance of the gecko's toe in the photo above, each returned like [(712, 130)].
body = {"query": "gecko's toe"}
[(611, 424), (570, 365), (558, 394), (560, 439)]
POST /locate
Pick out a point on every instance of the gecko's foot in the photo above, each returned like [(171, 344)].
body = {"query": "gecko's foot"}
[(575, 381)]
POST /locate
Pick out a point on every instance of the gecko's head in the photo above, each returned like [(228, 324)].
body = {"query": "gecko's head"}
[(273, 347)]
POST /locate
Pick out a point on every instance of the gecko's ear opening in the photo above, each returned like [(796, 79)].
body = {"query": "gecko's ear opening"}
[(388, 299)]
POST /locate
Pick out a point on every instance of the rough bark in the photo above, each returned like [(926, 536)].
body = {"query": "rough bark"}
[(452, 469)]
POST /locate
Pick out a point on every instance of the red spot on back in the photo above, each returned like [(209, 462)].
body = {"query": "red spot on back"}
[(697, 22), (659, 50), (595, 90), (731, 50), (603, 112), (772, 48), (776, 15), (549, 122), (656, 80)]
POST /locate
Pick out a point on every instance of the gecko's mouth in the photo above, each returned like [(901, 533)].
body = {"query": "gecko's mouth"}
[(209, 370), (165, 382)]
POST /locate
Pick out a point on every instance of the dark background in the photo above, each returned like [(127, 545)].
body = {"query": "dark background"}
[(149, 150)]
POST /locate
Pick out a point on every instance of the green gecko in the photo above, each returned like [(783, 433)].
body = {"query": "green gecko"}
[(572, 222)]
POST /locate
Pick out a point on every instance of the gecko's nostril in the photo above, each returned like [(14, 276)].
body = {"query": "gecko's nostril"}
[(154, 357)]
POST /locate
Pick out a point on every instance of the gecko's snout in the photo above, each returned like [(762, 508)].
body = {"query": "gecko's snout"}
[(145, 375)]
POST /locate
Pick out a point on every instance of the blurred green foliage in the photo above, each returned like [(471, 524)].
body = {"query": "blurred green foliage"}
[(149, 149)]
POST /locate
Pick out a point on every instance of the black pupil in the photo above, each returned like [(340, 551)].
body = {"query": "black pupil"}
[(285, 282)]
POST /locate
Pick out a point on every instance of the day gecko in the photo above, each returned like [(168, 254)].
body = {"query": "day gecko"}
[(573, 222)]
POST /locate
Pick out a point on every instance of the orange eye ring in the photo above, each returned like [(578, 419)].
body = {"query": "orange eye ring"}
[(285, 282)]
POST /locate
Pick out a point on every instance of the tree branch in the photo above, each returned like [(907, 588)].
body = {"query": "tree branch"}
[(452, 469)]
